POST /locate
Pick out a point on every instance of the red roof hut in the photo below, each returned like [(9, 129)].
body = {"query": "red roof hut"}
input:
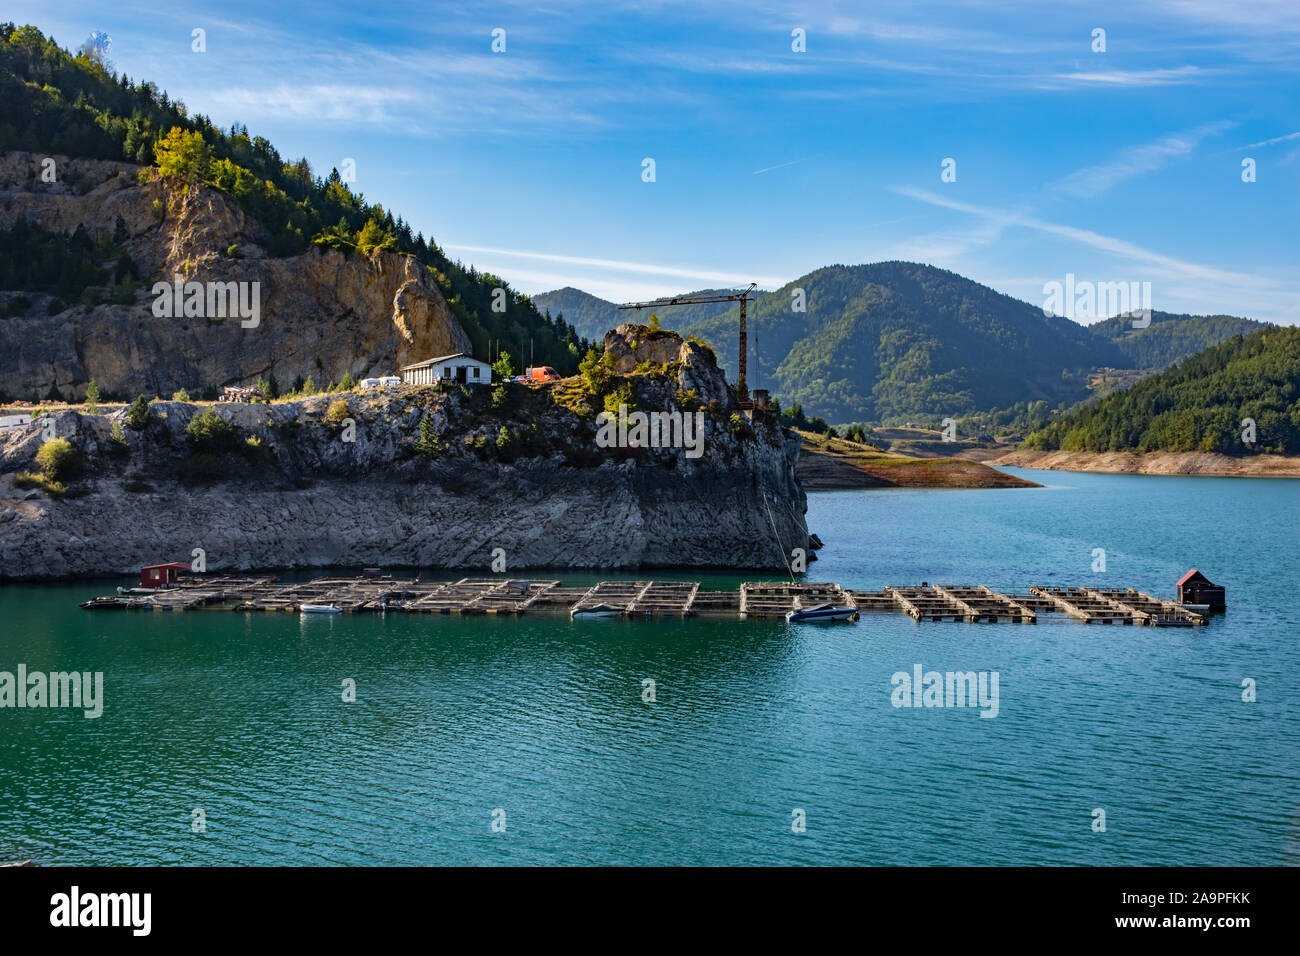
[(162, 575), (1195, 588)]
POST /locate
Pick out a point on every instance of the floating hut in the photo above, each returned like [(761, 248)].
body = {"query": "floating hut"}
[(1196, 589)]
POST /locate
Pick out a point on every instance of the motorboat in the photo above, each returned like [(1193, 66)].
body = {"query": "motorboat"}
[(320, 609), (596, 610), (112, 603), (817, 613)]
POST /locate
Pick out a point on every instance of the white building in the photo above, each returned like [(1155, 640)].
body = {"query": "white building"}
[(450, 368)]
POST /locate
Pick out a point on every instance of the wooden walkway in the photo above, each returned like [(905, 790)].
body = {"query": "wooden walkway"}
[(973, 603), (776, 599)]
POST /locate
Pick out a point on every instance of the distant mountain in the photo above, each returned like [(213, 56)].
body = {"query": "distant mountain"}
[(1171, 337), (592, 317), (890, 341), (893, 340), (1199, 404)]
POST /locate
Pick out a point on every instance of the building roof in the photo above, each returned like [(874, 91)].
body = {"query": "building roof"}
[(178, 565), (1190, 575), (441, 358)]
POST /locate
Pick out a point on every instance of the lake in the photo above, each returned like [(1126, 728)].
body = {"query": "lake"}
[(485, 740)]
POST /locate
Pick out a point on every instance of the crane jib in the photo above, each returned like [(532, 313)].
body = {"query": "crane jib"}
[(742, 297)]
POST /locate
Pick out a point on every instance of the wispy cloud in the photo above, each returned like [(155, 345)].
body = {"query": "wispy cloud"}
[(1271, 142), (1117, 78), (769, 169), (1169, 264), (353, 104), (622, 265), (1137, 161)]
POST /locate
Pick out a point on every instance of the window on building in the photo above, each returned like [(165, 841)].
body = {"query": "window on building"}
[(474, 369)]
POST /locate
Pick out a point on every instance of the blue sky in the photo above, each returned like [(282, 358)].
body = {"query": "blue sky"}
[(1116, 166)]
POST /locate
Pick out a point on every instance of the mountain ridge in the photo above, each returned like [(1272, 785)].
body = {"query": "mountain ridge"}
[(880, 342)]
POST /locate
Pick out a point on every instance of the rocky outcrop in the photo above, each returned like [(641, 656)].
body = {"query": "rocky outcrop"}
[(322, 314), (304, 484)]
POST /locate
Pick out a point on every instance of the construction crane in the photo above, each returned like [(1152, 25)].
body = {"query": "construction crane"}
[(741, 297)]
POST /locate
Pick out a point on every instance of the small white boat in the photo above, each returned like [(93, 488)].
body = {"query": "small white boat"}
[(320, 609), (821, 612), (596, 610)]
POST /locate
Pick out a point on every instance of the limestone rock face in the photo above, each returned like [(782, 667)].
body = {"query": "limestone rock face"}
[(305, 492), (629, 346), (322, 313)]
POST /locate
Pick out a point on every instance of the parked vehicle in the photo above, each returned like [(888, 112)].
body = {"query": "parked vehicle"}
[(541, 373)]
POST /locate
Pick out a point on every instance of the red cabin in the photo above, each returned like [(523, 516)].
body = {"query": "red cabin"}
[(162, 575), (1195, 588)]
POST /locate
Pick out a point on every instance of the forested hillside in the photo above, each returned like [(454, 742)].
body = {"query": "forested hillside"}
[(894, 340), (1199, 404), (1171, 337), (57, 103)]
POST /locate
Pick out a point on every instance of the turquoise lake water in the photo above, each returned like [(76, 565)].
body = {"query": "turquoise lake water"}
[(242, 715)]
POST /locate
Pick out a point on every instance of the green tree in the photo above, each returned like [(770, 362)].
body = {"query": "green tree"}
[(374, 236), (184, 155), (337, 411), (504, 368), (208, 432), (92, 398), (428, 444), (117, 444), (180, 395), (506, 449), (592, 369), (58, 459), (137, 416)]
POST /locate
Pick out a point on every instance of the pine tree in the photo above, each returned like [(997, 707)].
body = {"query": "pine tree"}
[(137, 416)]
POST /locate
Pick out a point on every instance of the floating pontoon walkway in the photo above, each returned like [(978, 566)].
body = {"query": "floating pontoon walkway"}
[(975, 603)]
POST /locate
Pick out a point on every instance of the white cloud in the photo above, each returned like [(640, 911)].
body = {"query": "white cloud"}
[(1167, 265), (1271, 142), (1111, 78), (1137, 161), (355, 104), (619, 265), (769, 169)]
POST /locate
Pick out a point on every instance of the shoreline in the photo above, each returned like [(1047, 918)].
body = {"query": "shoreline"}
[(1187, 464), (834, 464)]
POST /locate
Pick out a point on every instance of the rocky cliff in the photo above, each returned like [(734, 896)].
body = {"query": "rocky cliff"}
[(435, 476), (322, 314)]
